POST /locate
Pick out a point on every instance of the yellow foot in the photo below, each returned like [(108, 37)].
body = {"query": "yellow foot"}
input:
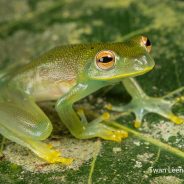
[(108, 106), (48, 154), (50, 146), (116, 135), (137, 124), (180, 99), (105, 116), (54, 157), (176, 119)]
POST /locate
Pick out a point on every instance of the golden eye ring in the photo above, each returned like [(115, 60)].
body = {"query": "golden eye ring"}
[(146, 43), (105, 59)]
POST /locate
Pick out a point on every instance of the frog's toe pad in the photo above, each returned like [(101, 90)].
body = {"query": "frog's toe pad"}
[(179, 99), (137, 124)]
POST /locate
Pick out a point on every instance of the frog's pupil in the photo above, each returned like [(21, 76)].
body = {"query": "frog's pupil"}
[(148, 43), (105, 59)]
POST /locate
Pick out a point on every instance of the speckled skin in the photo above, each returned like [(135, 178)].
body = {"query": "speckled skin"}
[(62, 67), (68, 74)]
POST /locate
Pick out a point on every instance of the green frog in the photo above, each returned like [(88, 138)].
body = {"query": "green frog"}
[(67, 74)]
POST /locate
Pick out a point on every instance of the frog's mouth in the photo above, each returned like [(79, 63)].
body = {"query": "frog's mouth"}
[(132, 74)]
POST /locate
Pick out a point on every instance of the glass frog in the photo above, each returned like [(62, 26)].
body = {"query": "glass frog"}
[(68, 74)]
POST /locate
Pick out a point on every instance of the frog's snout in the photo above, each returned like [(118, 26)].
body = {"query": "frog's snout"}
[(144, 63)]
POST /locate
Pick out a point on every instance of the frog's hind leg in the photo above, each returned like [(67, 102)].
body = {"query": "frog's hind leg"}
[(27, 125), (141, 104)]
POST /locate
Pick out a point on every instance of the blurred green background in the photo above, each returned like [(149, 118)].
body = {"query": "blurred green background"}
[(31, 27)]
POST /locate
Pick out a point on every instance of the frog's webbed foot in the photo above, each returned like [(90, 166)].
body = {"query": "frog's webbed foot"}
[(46, 152), (141, 104), (101, 127), (140, 107)]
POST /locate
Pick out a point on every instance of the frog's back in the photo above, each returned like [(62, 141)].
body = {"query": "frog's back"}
[(51, 75), (54, 73)]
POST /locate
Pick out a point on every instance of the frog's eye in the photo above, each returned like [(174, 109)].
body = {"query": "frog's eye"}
[(105, 59), (146, 42)]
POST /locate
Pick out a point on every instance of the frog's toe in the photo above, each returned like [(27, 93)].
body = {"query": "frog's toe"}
[(117, 135), (176, 119), (179, 99), (104, 129), (137, 123), (113, 135), (176, 96), (55, 157), (48, 153), (108, 131)]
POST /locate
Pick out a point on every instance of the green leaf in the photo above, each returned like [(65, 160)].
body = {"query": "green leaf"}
[(153, 153)]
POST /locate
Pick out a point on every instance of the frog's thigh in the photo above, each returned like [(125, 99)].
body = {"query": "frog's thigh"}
[(28, 127), (20, 122)]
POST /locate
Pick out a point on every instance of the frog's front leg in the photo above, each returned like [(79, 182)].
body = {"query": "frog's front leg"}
[(141, 104), (23, 122), (80, 128)]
